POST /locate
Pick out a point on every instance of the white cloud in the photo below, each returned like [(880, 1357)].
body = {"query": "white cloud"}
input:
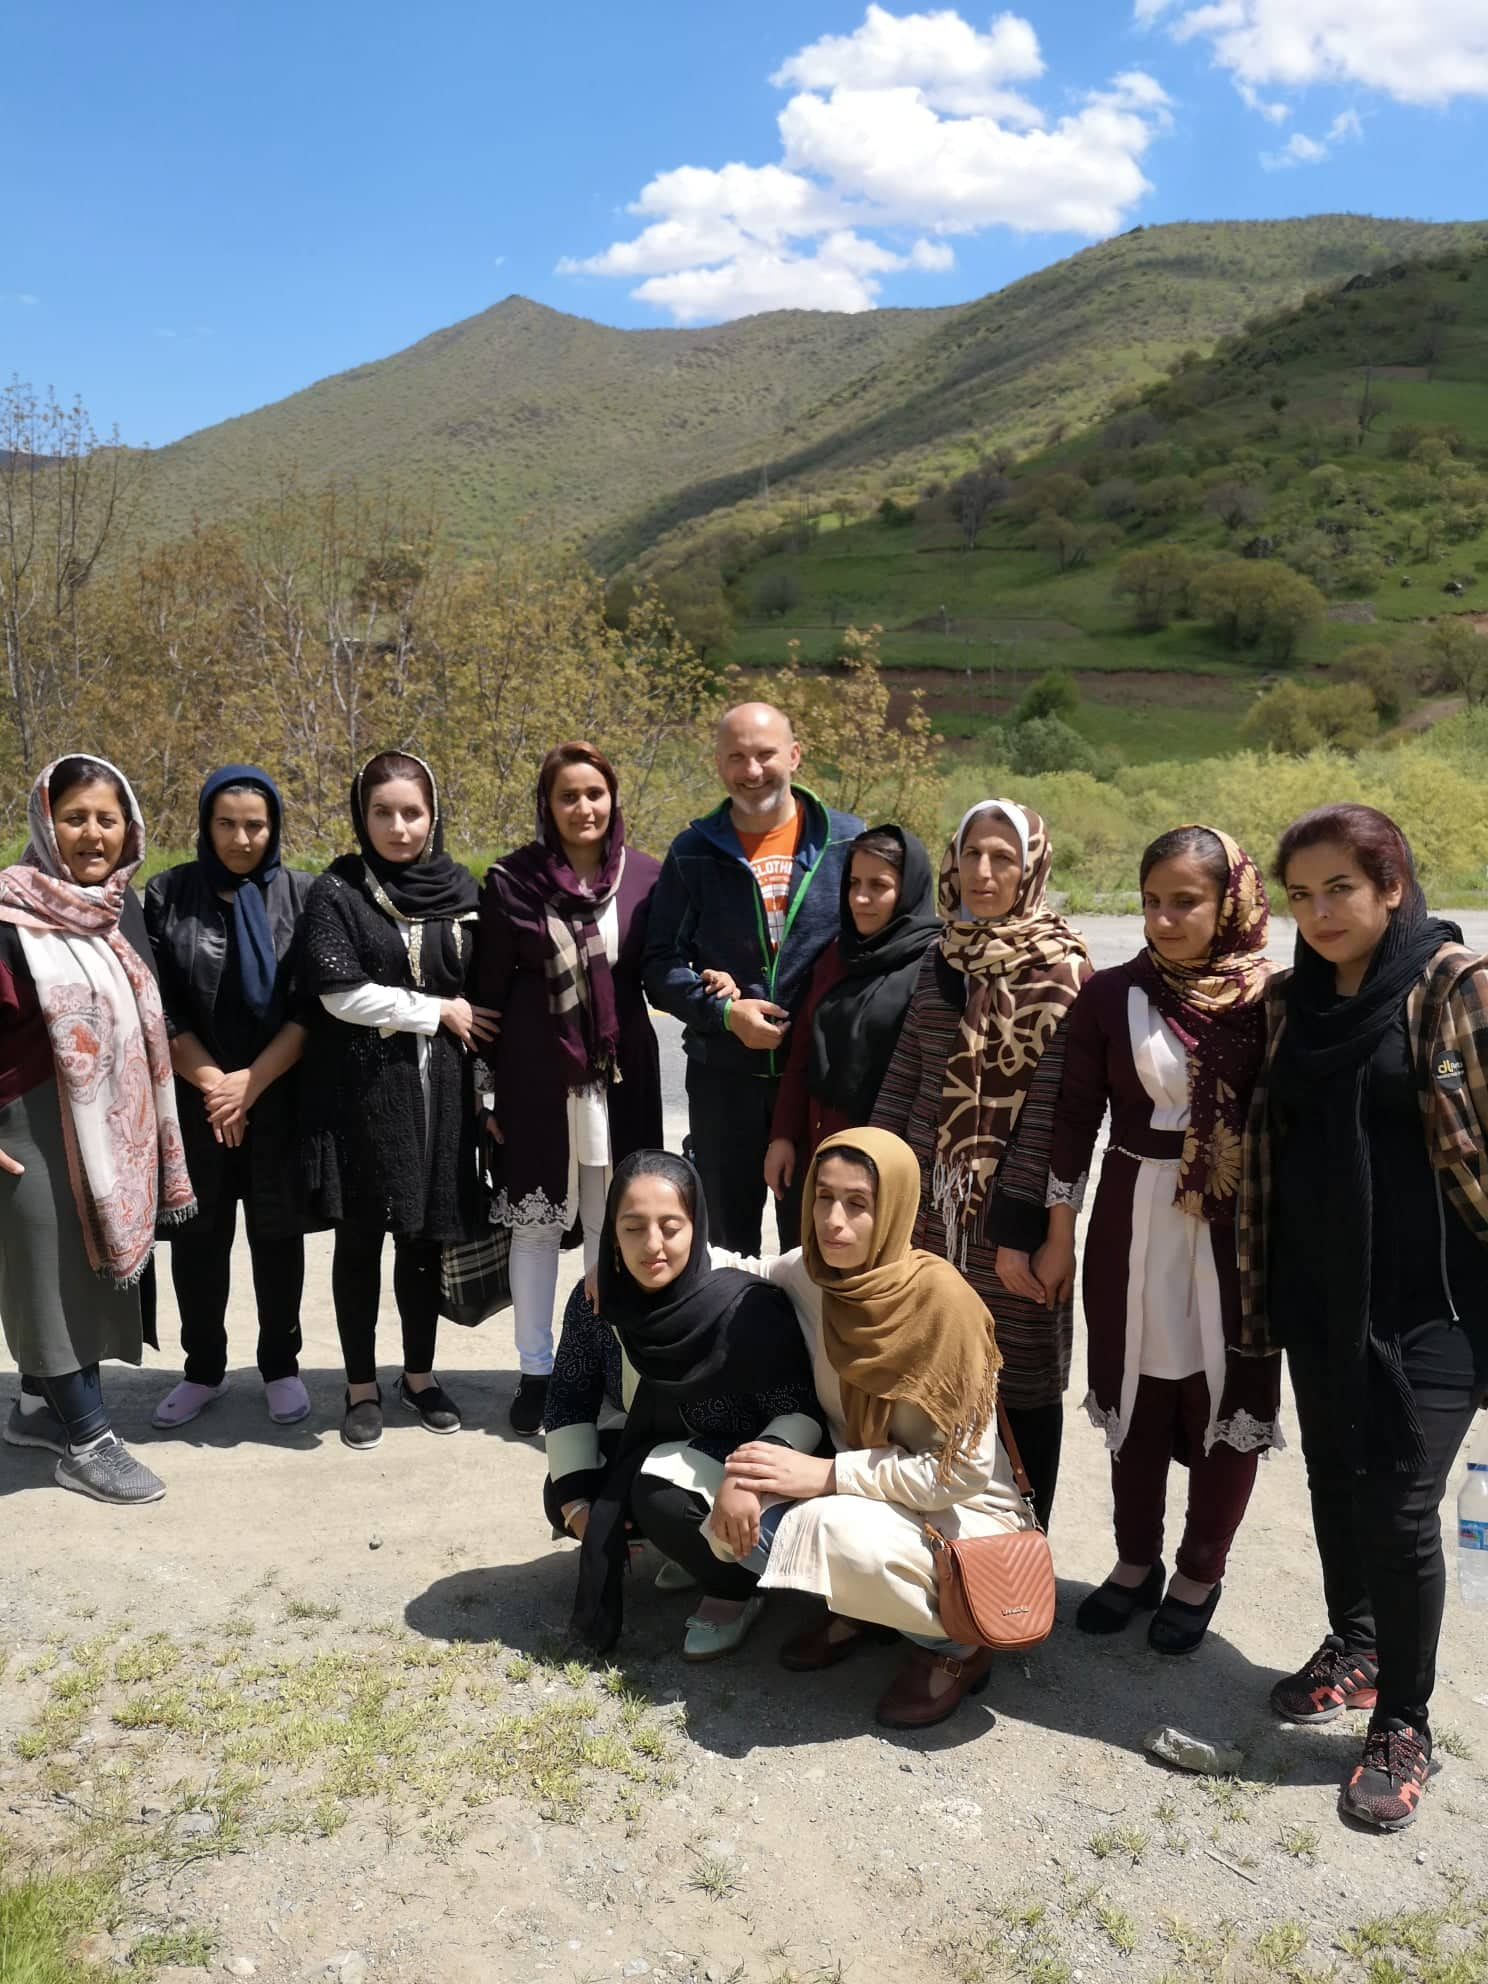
[(1412, 52), (908, 128), (21, 296), (1269, 108), (1302, 150)]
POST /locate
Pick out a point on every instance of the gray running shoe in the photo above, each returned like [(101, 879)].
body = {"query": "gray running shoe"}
[(35, 1429), (110, 1473)]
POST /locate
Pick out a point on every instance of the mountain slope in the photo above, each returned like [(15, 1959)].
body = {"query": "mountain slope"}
[(610, 438), (523, 411)]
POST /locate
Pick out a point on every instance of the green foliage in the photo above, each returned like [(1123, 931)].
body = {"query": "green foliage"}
[(1297, 720), (1159, 583), (43, 1914), (1457, 655), (1389, 674), (1053, 694), (1255, 603), (777, 594)]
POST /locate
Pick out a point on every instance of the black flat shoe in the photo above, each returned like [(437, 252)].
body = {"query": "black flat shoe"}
[(362, 1426), (1109, 1608), (433, 1405), (525, 1414), (1178, 1627)]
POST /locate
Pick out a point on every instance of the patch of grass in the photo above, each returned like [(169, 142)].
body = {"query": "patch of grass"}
[(1120, 1929), (1280, 1945), (715, 1877), (191, 1948), (309, 1608), (1107, 1842), (43, 1916), (1300, 1841), (1453, 1742)]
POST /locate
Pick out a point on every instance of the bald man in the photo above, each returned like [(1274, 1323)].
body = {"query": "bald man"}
[(751, 890)]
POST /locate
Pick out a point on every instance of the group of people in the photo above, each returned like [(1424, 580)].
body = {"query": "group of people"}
[(914, 1066)]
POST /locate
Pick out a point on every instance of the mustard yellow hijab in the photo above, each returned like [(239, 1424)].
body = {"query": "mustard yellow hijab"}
[(906, 1324)]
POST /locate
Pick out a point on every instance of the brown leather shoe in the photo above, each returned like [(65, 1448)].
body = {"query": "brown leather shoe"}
[(910, 1704), (818, 1647)]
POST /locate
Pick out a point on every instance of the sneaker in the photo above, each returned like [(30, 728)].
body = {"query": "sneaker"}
[(362, 1426), (1387, 1783), (529, 1405), (109, 1472), (1332, 1681), (187, 1402), (433, 1405), (35, 1429), (287, 1400)]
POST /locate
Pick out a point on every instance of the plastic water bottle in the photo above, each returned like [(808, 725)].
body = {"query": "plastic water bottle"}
[(1472, 1535)]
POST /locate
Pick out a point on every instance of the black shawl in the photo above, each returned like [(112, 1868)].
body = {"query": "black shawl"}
[(710, 1332), (1326, 1052), (855, 1027)]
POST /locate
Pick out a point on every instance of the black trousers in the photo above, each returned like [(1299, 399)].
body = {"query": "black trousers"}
[(1039, 1432), (201, 1274), (669, 1517), (1379, 1534), (77, 1400), (356, 1290), (728, 1118)]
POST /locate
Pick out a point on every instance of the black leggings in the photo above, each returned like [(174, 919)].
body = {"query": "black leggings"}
[(1039, 1432), (201, 1273), (669, 1517), (1379, 1534), (356, 1289), (77, 1400)]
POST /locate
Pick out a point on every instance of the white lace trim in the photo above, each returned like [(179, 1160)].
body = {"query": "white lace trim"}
[(1060, 1194), (533, 1209), (1108, 1423), (1247, 1434)]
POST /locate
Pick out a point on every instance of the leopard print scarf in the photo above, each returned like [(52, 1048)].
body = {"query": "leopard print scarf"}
[(1023, 972)]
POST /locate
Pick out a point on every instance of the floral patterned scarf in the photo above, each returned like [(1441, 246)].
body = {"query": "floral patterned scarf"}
[(101, 1005), (1023, 972), (1215, 1007)]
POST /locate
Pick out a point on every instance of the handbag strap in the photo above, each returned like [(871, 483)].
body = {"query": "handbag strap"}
[(1010, 1445)]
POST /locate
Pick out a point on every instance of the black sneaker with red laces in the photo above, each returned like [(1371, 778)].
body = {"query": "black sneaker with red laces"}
[(1387, 1783), (1332, 1681)]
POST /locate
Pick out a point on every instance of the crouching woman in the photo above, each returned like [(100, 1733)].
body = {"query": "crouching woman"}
[(905, 1363)]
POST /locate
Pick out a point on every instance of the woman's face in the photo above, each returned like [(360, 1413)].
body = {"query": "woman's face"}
[(842, 1212), (398, 819), (654, 1229), (872, 893), (1339, 911), (580, 804), (241, 829), (1180, 909), (991, 866), (90, 825)]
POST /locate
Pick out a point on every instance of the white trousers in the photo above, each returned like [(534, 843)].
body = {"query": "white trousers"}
[(534, 1272)]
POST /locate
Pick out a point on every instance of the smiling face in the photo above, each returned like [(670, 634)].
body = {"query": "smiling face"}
[(991, 867), (757, 757), (579, 801), (1340, 912), (90, 825), (872, 893), (398, 819), (1180, 909), (842, 1212), (241, 829), (654, 1231)]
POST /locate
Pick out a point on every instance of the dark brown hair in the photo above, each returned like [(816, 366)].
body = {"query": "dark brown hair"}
[(575, 752), (388, 765), (79, 770), (1205, 847), (850, 1154), (1371, 837), (882, 845)]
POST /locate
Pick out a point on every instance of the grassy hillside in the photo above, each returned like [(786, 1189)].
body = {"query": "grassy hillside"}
[(1382, 527), (611, 438), (525, 413)]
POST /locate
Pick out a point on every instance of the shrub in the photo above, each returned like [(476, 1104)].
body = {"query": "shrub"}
[(1049, 744), (776, 594), (1258, 604), (1159, 582), (1053, 694)]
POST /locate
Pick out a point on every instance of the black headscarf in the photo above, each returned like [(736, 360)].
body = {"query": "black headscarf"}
[(855, 1027), (432, 889), (1326, 1050), (711, 1332), (258, 967)]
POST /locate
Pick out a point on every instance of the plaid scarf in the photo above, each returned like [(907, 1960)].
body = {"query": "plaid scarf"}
[(1215, 1008), (1023, 972)]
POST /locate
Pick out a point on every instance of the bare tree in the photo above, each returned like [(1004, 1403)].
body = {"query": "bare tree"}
[(1371, 405), (974, 496)]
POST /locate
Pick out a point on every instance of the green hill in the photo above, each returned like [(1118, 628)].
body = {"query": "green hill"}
[(611, 438), (1345, 440)]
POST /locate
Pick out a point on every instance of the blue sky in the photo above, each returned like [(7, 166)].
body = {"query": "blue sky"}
[(224, 202)]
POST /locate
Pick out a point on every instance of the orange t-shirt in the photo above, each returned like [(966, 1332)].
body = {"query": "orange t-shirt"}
[(772, 855)]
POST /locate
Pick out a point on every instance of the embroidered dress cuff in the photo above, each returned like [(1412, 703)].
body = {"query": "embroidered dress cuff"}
[(1061, 1194)]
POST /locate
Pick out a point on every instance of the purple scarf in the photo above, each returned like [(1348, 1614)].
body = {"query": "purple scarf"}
[(547, 896)]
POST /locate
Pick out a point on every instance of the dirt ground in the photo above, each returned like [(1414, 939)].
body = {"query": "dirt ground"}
[(322, 1697)]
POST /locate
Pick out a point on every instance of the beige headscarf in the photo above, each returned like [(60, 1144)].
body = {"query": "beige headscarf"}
[(904, 1325)]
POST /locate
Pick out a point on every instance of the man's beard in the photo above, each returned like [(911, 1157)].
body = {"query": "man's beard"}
[(768, 799)]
